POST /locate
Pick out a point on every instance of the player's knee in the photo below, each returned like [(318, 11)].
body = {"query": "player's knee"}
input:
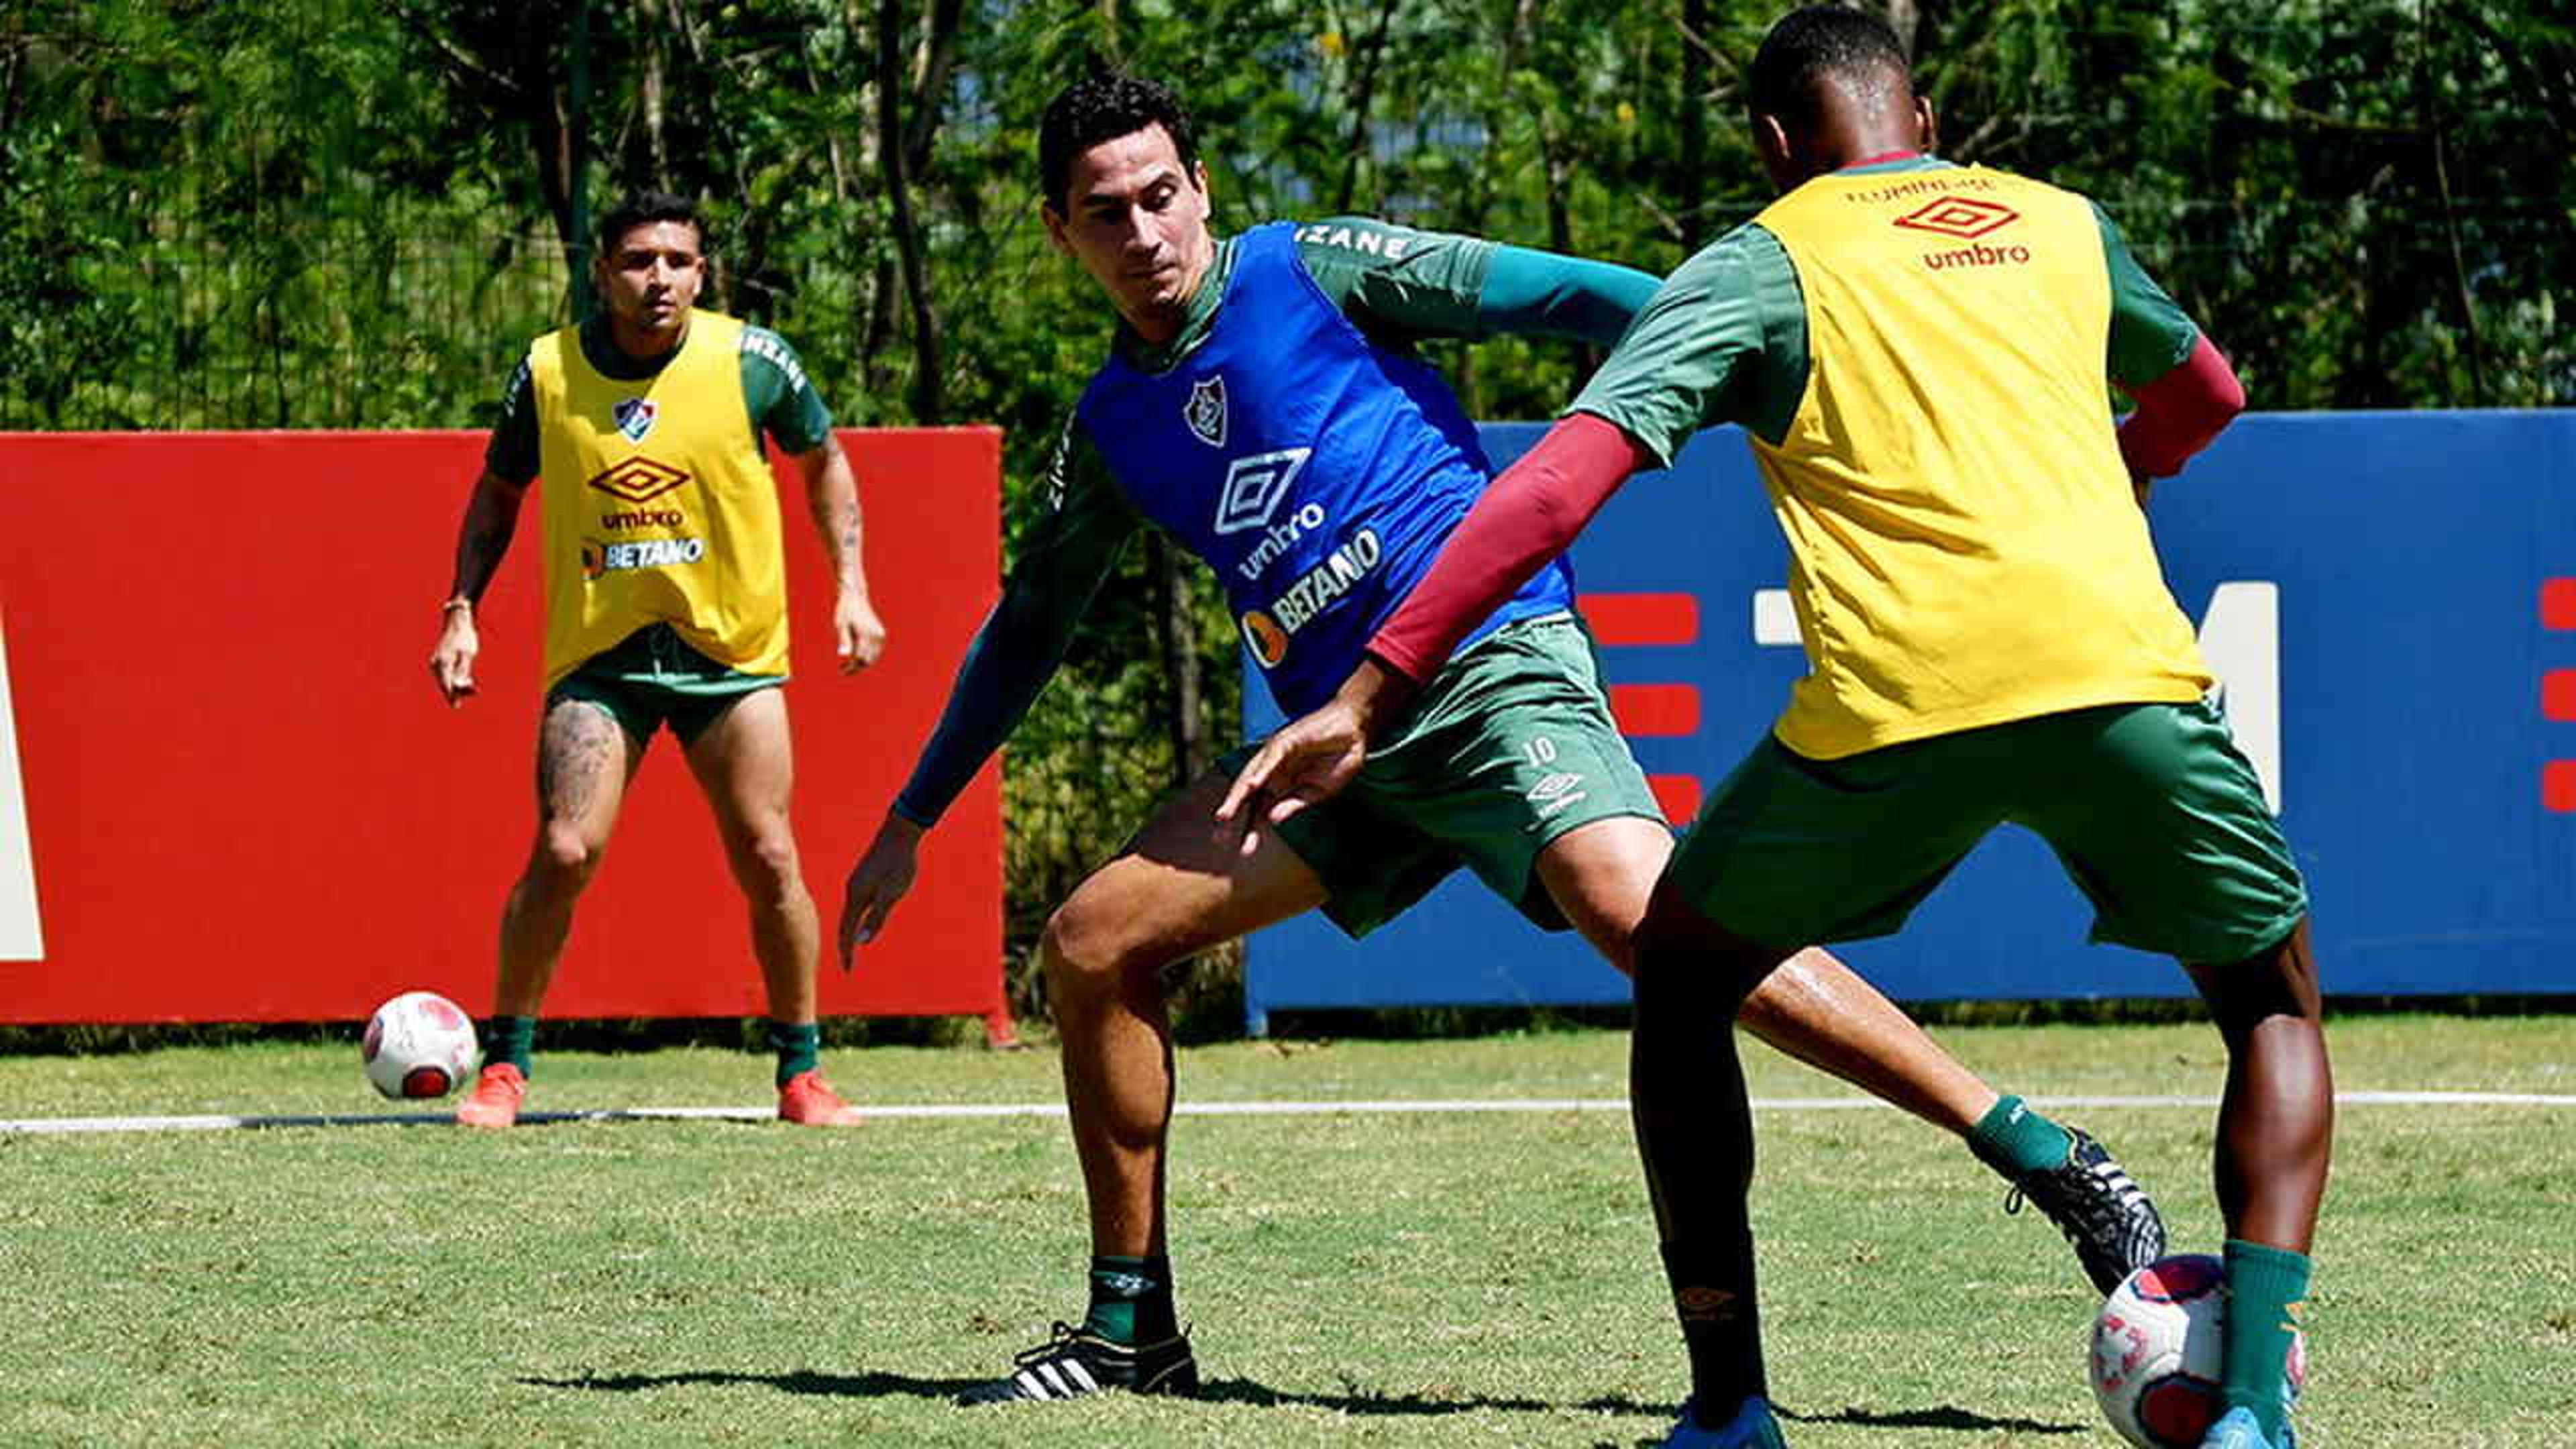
[(2278, 982), (766, 864), (1686, 965), (1084, 948), (564, 860)]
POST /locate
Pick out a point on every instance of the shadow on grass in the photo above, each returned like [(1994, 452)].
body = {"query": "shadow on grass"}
[(1356, 1401), (1362, 1401), (1221, 1391), (1944, 1417), (803, 1381)]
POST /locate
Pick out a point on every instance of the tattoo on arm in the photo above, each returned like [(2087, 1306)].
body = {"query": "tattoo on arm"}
[(491, 518), (832, 493)]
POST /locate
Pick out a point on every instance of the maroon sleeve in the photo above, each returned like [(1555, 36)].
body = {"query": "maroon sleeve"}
[(1529, 516), (2180, 412)]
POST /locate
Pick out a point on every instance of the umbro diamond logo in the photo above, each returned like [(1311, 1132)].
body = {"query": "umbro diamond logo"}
[(638, 479), (1555, 785), (1254, 486), (1963, 217), (1557, 793)]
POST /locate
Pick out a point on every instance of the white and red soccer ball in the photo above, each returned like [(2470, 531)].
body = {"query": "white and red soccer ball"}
[(418, 1046), (2156, 1352)]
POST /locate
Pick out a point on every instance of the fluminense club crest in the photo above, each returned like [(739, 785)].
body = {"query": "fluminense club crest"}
[(634, 417), (1205, 411)]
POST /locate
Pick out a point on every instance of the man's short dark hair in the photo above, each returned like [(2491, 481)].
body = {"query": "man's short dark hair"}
[(1101, 108), (1815, 43), (643, 208)]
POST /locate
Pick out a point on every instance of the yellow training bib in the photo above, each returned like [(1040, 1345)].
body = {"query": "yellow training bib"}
[(1964, 546), (659, 505)]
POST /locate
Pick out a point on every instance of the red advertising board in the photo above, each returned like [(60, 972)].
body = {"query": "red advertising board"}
[(244, 801)]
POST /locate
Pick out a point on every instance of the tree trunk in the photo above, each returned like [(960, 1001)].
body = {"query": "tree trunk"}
[(907, 228), (550, 135), (1690, 192), (1178, 641), (1363, 96), (931, 69), (2450, 210), (656, 143), (1554, 163)]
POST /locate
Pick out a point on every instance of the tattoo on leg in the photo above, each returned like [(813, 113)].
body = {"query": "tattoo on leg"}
[(572, 758)]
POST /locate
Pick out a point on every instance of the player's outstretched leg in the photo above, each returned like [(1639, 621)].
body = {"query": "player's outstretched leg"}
[(1182, 887), (584, 760), (1817, 1010), (2275, 1129)]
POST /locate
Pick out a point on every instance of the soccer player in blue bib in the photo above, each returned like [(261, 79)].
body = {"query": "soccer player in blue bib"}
[(1262, 404)]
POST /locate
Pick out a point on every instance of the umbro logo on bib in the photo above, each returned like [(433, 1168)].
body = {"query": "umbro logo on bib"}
[(638, 479), (1964, 217), (1205, 411), (634, 417), (1254, 486)]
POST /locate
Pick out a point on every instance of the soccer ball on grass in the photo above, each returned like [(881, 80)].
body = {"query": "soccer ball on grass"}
[(418, 1046), (2156, 1352)]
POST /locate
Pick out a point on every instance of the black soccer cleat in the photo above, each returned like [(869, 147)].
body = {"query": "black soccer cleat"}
[(2109, 1219), (1074, 1362)]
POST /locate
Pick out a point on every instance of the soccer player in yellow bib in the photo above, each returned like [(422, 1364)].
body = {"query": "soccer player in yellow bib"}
[(1922, 355), (666, 603)]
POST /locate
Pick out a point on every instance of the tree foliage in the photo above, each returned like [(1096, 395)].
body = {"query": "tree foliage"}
[(337, 213)]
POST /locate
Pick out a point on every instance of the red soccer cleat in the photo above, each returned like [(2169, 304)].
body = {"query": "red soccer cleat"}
[(494, 1102), (808, 1101)]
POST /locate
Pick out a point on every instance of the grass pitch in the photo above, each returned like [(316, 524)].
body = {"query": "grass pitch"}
[(1441, 1279)]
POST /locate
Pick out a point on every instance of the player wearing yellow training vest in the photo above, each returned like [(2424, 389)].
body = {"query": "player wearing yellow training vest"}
[(666, 603), (675, 520), (1922, 355), (1937, 596)]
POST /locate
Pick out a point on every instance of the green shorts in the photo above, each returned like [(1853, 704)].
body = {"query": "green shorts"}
[(2154, 813), (1510, 746), (652, 678)]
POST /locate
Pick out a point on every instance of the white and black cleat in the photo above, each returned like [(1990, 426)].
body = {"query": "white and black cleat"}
[(2114, 1226), (1074, 1362)]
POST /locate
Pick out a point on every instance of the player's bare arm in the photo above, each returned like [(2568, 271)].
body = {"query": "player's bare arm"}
[(491, 517), (832, 494)]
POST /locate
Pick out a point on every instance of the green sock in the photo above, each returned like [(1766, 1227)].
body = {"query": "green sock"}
[(2267, 1289), (511, 1039), (2012, 1139), (799, 1048), (1131, 1300)]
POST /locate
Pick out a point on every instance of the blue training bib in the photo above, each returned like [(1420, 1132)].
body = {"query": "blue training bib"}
[(1315, 471)]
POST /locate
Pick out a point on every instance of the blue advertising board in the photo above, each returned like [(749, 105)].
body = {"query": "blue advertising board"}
[(2388, 598)]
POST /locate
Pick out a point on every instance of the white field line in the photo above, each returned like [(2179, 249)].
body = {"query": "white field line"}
[(59, 1126)]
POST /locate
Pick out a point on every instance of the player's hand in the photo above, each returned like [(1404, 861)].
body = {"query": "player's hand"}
[(451, 664), (880, 879), (1305, 764), (1318, 754), (858, 634)]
